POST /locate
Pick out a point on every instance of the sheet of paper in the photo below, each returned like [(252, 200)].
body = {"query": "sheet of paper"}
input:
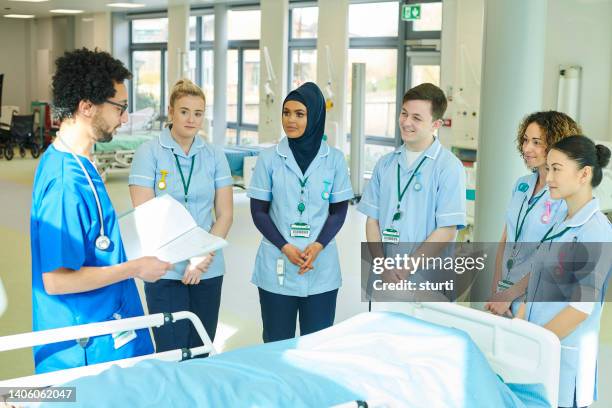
[(196, 242), (162, 227)]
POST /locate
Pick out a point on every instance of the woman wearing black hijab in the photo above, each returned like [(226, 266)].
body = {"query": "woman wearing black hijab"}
[(299, 198)]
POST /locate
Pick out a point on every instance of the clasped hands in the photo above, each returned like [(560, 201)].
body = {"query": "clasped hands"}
[(303, 259)]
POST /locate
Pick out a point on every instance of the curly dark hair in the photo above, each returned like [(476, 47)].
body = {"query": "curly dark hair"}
[(554, 125), (85, 75)]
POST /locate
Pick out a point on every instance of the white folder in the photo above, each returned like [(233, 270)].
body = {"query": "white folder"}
[(162, 227)]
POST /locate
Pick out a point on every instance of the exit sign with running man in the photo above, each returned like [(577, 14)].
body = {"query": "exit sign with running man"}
[(411, 12)]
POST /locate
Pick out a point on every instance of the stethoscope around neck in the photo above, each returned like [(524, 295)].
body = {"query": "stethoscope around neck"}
[(102, 241)]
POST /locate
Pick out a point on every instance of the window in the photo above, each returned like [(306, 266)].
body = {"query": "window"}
[(201, 56), (373, 19), (422, 73), (243, 25), (208, 27), (207, 79), (193, 23), (303, 66), (250, 87), (431, 18), (380, 87), (232, 86), (146, 68), (378, 37), (151, 30), (148, 62), (302, 45), (243, 67), (304, 22)]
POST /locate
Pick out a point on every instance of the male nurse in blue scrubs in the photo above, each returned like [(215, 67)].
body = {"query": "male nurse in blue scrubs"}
[(417, 192), (80, 273)]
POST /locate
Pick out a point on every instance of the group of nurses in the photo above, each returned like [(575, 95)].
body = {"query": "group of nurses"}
[(574, 168), (196, 174), (531, 209), (299, 199)]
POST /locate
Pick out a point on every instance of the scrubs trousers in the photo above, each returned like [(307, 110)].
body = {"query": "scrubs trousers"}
[(169, 295), (279, 313)]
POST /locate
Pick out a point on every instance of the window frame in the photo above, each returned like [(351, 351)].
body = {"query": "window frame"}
[(297, 44), (404, 63), (241, 45), (162, 47)]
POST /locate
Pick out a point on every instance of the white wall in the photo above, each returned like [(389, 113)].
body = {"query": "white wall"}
[(580, 32), (274, 26), (178, 43), (14, 62), (93, 31), (461, 66), (577, 32)]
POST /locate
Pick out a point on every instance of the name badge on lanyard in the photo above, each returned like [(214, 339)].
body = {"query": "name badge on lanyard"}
[(504, 284), (120, 339), (300, 230), (390, 236)]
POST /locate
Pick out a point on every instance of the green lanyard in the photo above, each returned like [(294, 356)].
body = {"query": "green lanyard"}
[(400, 192), (185, 185), (519, 223), (301, 206), (547, 238)]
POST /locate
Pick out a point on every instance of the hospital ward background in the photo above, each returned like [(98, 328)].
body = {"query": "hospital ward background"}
[(469, 48)]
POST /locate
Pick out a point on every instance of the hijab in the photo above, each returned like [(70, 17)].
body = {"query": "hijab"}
[(306, 147)]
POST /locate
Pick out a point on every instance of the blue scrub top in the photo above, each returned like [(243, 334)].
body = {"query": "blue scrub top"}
[(440, 201), (534, 227), (277, 179), (578, 350), (210, 173), (63, 229)]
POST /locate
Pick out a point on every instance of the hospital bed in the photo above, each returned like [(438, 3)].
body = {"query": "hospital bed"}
[(117, 155), (432, 354), (119, 152)]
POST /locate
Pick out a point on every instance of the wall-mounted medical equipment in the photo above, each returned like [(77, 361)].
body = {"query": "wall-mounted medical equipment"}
[(568, 95)]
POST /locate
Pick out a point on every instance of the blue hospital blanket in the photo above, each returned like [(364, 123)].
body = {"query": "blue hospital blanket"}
[(381, 357)]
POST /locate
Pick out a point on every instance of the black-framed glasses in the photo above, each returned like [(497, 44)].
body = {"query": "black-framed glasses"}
[(123, 107)]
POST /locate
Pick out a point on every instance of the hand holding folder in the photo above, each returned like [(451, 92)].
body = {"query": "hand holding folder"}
[(163, 228)]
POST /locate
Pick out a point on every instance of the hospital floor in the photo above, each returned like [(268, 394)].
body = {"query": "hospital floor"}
[(240, 321)]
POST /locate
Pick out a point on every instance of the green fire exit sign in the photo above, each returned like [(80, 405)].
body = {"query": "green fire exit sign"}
[(411, 12)]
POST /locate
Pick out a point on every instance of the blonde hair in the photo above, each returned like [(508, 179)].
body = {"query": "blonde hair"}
[(185, 87)]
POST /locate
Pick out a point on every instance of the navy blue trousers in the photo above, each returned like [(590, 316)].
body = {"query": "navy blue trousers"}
[(169, 295), (279, 313)]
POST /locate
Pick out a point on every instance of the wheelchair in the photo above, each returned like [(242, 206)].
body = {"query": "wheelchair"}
[(21, 133)]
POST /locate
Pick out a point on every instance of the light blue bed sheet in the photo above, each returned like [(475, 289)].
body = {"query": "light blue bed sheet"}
[(381, 357)]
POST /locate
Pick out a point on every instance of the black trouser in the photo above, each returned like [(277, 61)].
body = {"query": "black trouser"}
[(169, 295)]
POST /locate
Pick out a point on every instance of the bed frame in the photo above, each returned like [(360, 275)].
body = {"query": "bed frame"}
[(42, 337), (519, 351)]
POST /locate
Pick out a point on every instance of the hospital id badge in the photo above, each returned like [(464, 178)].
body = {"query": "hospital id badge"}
[(390, 236), (504, 285), (120, 339), (300, 230)]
